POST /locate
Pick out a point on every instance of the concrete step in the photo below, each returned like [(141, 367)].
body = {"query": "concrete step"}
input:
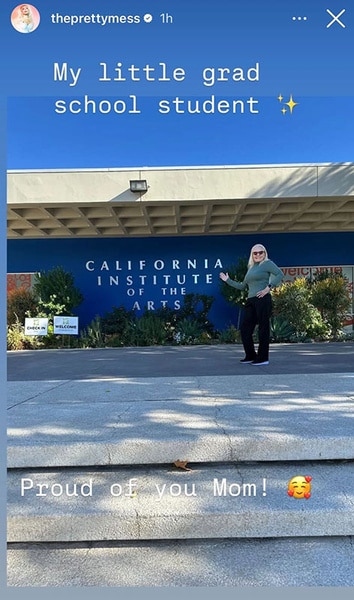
[(162, 448), (284, 562), (134, 421), (210, 501)]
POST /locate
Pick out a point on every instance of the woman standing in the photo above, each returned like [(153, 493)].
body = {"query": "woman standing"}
[(262, 275)]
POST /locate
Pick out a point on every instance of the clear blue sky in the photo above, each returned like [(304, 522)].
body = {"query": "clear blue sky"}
[(303, 60)]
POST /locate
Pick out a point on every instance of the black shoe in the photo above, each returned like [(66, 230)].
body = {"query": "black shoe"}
[(260, 362), (246, 361)]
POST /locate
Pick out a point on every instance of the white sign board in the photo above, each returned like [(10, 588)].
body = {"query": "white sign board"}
[(66, 325), (36, 326)]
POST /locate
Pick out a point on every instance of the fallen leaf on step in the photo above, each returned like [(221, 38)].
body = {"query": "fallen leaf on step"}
[(182, 464)]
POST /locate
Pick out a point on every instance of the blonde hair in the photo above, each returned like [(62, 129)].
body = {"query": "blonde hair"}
[(25, 18), (250, 260)]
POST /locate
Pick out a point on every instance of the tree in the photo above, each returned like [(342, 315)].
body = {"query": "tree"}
[(231, 294), (57, 292)]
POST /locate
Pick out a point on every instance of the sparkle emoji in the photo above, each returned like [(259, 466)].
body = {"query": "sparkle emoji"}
[(300, 487), (290, 104)]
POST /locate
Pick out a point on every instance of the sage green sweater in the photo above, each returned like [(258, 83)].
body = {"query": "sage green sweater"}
[(258, 277)]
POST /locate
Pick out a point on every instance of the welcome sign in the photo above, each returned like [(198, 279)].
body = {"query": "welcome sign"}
[(66, 325)]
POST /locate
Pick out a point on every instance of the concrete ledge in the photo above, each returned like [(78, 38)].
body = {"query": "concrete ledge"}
[(208, 502), (272, 562), (221, 447)]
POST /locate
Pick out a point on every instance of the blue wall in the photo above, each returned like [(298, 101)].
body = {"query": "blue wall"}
[(120, 259)]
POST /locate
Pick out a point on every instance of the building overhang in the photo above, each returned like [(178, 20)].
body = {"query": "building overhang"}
[(181, 201)]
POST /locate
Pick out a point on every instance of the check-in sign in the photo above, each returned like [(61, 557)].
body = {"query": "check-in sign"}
[(36, 326), (66, 325)]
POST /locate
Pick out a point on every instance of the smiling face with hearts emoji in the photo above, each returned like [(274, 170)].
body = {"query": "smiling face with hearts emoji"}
[(300, 487)]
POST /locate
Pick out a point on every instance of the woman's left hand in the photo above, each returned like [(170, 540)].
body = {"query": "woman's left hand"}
[(262, 293)]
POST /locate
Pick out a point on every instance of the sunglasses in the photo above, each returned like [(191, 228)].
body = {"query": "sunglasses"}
[(259, 252)]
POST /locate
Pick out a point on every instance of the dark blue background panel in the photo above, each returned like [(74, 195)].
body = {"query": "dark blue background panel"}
[(153, 272)]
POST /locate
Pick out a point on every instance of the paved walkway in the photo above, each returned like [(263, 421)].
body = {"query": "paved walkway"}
[(158, 361)]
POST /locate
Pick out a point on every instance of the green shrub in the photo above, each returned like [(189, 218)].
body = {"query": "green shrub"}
[(15, 336), (188, 331), (330, 295), (92, 336), (205, 338), (148, 330), (169, 317), (280, 330), (17, 340), (116, 321), (21, 303), (318, 327), (121, 327), (231, 335), (115, 341), (196, 308), (292, 303)]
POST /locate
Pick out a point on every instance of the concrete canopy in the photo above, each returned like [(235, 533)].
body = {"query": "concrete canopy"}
[(181, 201)]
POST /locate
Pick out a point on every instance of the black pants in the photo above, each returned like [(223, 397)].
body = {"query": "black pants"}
[(257, 311)]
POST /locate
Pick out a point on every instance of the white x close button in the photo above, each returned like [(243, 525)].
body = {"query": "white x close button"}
[(335, 18)]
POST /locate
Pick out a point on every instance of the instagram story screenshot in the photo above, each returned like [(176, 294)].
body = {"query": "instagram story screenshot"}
[(179, 293)]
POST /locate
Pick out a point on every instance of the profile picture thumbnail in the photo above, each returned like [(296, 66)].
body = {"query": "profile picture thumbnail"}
[(25, 18)]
